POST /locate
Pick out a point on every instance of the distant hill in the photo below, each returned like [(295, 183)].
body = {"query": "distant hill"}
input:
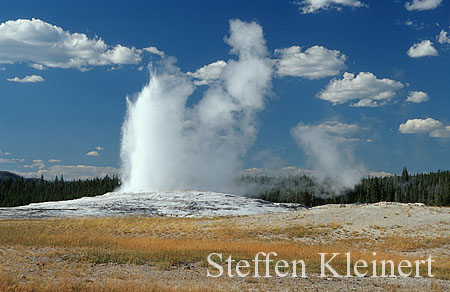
[(6, 175)]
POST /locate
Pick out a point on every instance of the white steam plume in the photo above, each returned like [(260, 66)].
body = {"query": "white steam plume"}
[(169, 145), (331, 157)]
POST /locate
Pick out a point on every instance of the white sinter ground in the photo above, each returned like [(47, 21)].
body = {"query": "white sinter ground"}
[(165, 203)]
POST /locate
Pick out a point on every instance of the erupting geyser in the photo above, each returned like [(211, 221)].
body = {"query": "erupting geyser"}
[(168, 145)]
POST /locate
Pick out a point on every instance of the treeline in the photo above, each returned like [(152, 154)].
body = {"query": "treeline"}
[(21, 191), (428, 188)]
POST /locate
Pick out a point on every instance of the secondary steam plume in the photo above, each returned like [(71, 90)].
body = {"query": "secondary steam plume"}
[(169, 145), (330, 156)]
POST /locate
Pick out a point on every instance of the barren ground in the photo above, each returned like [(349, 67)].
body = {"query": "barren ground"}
[(169, 254)]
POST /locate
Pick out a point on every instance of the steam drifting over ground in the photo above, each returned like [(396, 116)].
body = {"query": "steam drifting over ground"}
[(168, 145), (330, 154)]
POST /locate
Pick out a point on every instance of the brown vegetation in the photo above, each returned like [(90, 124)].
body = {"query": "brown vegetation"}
[(60, 251)]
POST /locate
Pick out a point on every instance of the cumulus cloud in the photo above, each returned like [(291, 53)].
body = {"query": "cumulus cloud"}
[(93, 153), (99, 148), (44, 44), (315, 62), (329, 156), (441, 133), (365, 88), (422, 49), (417, 97), (413, 126), (54, 160), (443, 37), (71, 172), (155, 51), (314, 6), (421, 5), (27, 79), (208, 73), (434, 128)]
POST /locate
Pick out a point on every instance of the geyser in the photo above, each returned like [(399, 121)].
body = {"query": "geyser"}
[(167, 144)]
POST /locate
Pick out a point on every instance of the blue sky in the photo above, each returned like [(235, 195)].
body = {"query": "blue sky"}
[(371, 75)]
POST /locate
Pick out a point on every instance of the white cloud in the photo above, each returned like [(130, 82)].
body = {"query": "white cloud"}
[(92, 153), (123, 55), (443, 38), (316, 62), (442, 133), (99, 148), (422, 5), (313, 6), (208, 73), (367, 103), (434, 127), (27, 79), (422, 49), (9, 160), (38, 163), (2, 68), (379, 174), (417, 97), (41, 43), (365, 87), (39, 67), (334, 127), (415, 24), (71, 172), (413, 126), (54, 160), (284, 171), (154, 50)]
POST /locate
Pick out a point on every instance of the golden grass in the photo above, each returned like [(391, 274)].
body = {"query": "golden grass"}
[(168, 242), (406, 244), (11, 284)]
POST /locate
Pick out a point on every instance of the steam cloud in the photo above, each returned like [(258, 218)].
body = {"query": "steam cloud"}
[(169, 145), (331, 156)]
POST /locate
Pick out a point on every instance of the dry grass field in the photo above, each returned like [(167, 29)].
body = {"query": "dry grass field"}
[(169, 254)]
